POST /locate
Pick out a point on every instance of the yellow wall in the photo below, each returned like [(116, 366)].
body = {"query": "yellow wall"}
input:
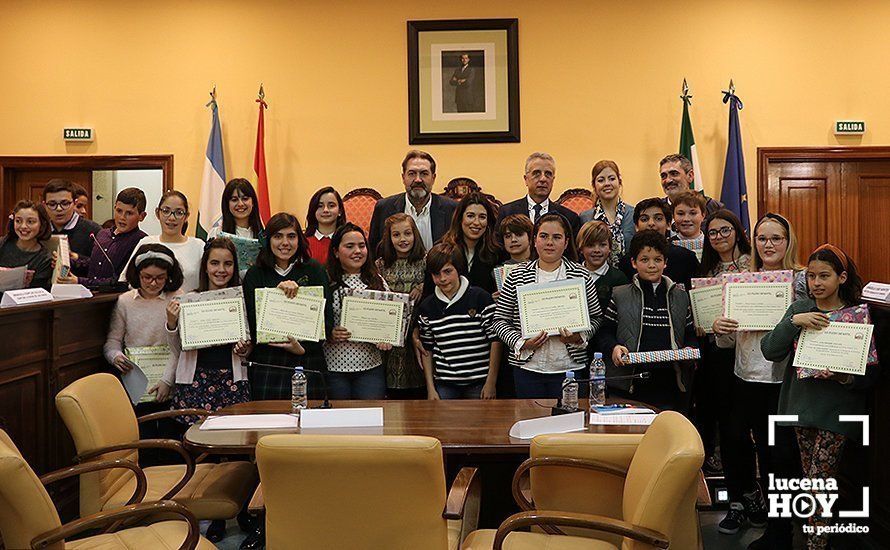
[(598, 80)]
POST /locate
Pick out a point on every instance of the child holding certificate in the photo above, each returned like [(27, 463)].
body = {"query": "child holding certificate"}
[(284, 263), (355, 369), (326, 214), (650, 314), (819, 401), (540, 362), (401, 263), (753, 396), (24, 243), (455, 327), (240, 212), (208, 378)]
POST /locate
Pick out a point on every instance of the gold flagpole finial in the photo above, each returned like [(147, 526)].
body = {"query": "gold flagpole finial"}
[(731, 87), (212, 97), (262, 94), (686, 97)]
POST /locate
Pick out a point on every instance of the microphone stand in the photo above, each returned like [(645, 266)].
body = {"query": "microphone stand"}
[(558, 409), (326, 404), (113, 285)]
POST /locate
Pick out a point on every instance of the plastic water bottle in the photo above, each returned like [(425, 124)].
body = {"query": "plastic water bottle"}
[(298, 398), (597, 382), (570, 393)]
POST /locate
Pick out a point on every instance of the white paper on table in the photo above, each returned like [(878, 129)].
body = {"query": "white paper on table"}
[(70, 291), (621, 419), (358, 417), (877, 291), (136, 383), (25, 296), (12, 278), (527, 429), (250, 422)]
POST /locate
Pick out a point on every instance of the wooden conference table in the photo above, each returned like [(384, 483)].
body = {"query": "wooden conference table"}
[(464, 427)]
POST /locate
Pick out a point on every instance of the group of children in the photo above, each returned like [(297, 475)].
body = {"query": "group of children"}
[(465, 339)]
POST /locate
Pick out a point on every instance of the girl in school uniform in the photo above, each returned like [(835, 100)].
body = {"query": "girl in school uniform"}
[(208, 378), (401, 264), (23, 244), (240, 211), (173, 213), (754, 395), (540, 363), (473, 233), (820, 401), (139, 314), (284, 263), (355, 369), (326, 214)]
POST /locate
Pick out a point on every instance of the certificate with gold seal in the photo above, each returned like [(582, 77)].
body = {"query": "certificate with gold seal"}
[(756, 306), (265, 338), (551, 306), (278, 316), (212, 318), (372, 321), (839, 347)]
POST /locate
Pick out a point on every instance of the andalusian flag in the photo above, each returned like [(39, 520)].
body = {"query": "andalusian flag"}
[(687, 140), (214, 180)]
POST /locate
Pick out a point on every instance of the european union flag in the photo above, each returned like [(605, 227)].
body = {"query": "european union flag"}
[(734, 194)]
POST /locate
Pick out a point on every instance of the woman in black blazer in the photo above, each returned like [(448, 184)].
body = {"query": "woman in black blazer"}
[(473, 232)]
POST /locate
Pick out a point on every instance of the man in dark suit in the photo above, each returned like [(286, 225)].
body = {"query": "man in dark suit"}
[(540, 173), (432, 213), (681, 265), (464, 81)]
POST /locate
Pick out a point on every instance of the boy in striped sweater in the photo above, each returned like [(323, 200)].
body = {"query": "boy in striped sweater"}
[(455, 326)]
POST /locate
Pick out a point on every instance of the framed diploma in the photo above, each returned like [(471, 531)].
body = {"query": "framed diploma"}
[(706, 298), (279, 316), (212, 318), (839, 347), (756, 306), (152, 361), (373, 321), (552, 306)]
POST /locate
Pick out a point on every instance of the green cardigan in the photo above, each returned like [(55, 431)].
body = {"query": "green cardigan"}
[(275, 383), (817, 403), (604, 285)]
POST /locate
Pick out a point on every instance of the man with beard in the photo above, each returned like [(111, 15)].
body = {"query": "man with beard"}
[(540, 173), (677, 176), (432, 213)]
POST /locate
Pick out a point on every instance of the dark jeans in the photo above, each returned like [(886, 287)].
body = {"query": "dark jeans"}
[(450, 390), (712, 389), (745, 435), (530, 384), (366, 384)]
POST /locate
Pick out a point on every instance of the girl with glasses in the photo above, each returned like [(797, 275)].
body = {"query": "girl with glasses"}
[(173, 213)]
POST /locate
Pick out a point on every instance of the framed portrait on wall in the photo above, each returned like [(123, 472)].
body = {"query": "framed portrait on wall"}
[(463, 81)]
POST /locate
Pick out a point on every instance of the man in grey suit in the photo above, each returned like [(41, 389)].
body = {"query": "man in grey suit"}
[(432, 213), (540, 173), (464, 81)]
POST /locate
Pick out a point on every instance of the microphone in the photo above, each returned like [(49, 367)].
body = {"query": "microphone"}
[(113, 286), (558, 410), (326, 404)]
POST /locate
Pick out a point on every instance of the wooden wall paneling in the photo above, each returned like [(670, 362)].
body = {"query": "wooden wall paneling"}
[(802, 193), (30, 183), (866, 205)]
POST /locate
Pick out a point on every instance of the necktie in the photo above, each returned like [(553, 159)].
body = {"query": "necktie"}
[(537, 209)]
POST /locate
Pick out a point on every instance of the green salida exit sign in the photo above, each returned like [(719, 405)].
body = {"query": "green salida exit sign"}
[(78, 134), (849, 127)]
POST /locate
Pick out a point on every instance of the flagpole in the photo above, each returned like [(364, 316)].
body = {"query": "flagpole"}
[(259, 160)]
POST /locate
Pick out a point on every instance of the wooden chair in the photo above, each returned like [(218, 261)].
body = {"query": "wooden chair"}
[(359, 204), (28, 517), (100, 418), (458, 188), (577, 199)]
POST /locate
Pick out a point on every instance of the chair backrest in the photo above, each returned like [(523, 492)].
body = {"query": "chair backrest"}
[(98, 413), (662, 471), (25, 507), (358, 492), (359, 206), (577, 199)]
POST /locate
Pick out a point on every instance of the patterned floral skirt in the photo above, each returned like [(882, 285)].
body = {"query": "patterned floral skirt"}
[(211, 390)]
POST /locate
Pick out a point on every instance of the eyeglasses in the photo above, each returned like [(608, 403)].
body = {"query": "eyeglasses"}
[(177, 214), (725, 231), (148, 279), (536, 174), (62, 205), (775, 240)]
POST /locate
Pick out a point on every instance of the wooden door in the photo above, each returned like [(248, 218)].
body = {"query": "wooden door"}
[(30, 183), (866, 233)]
